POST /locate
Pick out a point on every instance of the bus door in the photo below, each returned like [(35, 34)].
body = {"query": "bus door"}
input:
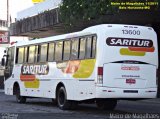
[(9, 62)]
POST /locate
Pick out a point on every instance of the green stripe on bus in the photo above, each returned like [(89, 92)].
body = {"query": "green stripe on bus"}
[(126, 51)]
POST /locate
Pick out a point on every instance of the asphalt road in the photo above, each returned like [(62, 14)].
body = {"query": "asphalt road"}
[(38, 108)]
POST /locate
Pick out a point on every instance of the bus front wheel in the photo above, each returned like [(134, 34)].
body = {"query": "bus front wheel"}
[(62, 101), (106, 104), (19, 98)]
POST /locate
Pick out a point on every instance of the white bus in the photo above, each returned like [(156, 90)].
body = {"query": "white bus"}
[(101, 64)]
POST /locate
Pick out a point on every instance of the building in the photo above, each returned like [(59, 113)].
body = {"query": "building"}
[(3, 23), (8, 15)]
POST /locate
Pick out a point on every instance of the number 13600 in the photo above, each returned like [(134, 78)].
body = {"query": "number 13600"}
[(131, 32)]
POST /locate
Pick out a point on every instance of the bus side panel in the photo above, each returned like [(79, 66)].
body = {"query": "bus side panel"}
[(76, 89), (84, 90), (8, 88)]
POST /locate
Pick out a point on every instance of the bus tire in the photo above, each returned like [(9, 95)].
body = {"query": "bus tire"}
[(106, 104), (62, 101), (19, 98)]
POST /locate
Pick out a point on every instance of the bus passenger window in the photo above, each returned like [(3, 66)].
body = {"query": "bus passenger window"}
[(51, 52), (25, 54), (58, 51), (82, 48), (67, 49), (36, 55), (43, 53), (88, 48), (74, 51), (20, 55), (31, 54), (94, 47)]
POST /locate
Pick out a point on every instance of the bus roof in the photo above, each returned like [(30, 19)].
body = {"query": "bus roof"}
[(87, 31)]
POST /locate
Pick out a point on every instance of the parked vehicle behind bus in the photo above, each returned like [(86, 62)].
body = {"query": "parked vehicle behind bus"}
[(100, 64)]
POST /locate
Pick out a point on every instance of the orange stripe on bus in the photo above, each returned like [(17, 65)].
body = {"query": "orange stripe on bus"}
[(141, 49), (27, 77)]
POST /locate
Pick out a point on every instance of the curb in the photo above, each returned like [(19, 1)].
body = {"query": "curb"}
[(152, 101)]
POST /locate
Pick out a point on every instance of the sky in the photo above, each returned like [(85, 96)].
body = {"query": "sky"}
[(14, 7), (18, 5)]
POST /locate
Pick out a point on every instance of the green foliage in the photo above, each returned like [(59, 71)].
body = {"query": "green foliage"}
[(73, 11), (83, 10)]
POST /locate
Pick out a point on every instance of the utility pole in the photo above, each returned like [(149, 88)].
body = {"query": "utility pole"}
[(8, 21), (7, 13)]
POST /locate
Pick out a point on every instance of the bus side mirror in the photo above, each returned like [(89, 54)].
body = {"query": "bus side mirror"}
[(3, 62)]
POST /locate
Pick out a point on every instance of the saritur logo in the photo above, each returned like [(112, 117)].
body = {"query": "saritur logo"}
[(136, 47), (129, 42), (29, 69)]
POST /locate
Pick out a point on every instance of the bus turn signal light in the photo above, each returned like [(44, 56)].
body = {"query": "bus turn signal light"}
[(100, 75)]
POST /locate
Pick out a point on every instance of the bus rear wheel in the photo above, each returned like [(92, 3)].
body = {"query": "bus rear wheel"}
[(62, 101), (106, 104), (19, 98)]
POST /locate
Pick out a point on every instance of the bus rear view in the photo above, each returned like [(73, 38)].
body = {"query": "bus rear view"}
[(128, 63)]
